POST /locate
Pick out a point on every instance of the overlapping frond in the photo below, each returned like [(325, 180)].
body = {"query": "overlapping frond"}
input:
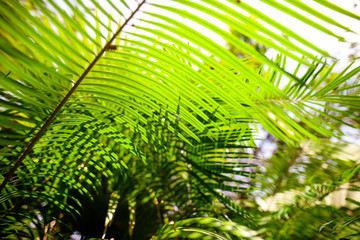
[(314, 106), (92, 90)]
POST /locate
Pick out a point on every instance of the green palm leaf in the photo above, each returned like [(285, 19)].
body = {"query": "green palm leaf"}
[(89, 93)]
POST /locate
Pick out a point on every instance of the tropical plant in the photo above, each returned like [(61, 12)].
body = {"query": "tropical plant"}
[(127, 120)]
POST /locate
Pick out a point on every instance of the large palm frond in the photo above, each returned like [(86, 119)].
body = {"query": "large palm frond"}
[(89, 92)]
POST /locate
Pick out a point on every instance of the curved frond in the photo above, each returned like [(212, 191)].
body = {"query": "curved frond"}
[(102, 98)]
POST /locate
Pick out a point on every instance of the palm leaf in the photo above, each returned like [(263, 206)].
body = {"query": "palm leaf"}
[(80, 89)]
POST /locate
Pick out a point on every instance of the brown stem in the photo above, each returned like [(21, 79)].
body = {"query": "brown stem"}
[(62, 103)]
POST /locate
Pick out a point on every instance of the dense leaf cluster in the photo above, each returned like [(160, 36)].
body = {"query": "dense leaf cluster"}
[(127, 120)]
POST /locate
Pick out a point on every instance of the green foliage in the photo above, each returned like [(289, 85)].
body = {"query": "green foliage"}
[(215, 229), (118, 128)]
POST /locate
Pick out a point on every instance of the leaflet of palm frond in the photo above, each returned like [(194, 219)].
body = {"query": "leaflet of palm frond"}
[(206, 228)]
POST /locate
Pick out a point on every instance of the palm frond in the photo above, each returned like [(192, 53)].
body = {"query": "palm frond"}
[(95, 95), (206, 228)]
